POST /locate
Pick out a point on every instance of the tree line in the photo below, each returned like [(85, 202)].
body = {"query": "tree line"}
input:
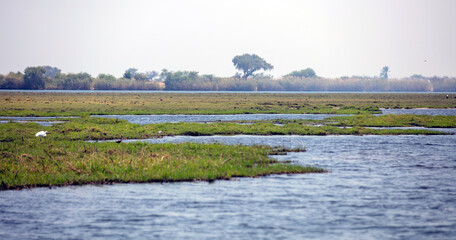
[(48, 77)]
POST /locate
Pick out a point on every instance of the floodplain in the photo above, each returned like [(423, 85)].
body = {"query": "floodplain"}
[(65, 157)]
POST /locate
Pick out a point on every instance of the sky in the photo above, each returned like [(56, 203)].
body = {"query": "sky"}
[(333, 37)]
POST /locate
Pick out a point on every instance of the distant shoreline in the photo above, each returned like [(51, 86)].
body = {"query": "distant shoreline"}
[(194, 91)]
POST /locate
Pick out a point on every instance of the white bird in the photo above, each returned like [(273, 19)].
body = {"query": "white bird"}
[(41, 134)]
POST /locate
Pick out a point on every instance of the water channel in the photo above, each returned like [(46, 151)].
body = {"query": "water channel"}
[(150, 119)]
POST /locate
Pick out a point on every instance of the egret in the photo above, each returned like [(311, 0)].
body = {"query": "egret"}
[(41, 134)]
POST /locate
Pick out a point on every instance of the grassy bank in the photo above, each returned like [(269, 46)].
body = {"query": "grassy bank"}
[(79, 104), (405, 120), (35, 163), (87, 128), (63, 158)]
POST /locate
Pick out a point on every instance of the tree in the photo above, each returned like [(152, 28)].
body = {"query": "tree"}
[(418, 76), (180, 80), (34, 78), (151, 75), (250, 64), (51, 71), (164, 74), (107, 77), (75, 81), (12, 81), (140, 77), (305, 73), (130, 73), (384, 72)]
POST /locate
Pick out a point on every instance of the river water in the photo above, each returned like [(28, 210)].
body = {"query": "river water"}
[(39, 120), (427, 111), (379, 187), (150, 119)]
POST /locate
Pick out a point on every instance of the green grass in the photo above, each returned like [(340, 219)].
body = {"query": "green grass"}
[(64, 158), (403, 120), (35, 163), (87, 128), (80, 104)]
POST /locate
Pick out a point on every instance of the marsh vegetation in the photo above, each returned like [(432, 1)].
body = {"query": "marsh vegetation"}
[(80, 104), (65, 157)]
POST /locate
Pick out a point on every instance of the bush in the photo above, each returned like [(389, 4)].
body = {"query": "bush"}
[(72, 81), (12, 81)]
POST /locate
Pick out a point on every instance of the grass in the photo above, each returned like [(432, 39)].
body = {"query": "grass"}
[(35, 163), (87, 128), (405, 120), (64, 158), (81, 104)]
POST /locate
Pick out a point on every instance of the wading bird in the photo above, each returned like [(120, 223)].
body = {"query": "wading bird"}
[(41, 134), (119, 140)]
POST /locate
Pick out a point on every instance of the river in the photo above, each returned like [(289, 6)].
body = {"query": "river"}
[(379, 187)]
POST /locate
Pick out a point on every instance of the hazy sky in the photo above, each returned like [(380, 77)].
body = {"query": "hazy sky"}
[(334, 37)]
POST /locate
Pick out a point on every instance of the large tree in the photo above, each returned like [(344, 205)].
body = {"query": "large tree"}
[(34, 78), (384, 72), (151, 75), (250, 63), (130, 73), (51, 71), (140, 76)]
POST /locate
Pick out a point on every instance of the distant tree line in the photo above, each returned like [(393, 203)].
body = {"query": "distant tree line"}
[(47, 77)]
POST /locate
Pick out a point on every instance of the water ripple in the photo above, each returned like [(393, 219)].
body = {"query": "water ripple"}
[(380, 187)]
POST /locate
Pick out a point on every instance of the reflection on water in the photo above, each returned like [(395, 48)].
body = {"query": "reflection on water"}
[(380, 187)]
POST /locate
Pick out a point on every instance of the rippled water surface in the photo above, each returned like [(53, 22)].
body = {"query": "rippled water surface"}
[(47, 124), (432, 112), (5, 119), (149, 119), (379, 187), (446, 130)]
